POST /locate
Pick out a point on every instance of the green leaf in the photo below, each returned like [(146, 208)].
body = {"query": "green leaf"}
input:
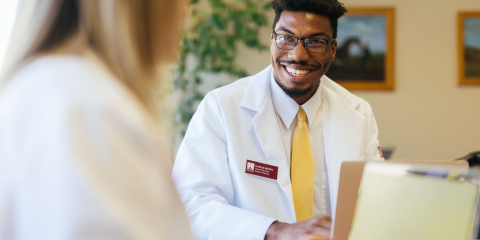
[(211, 40), (267, 6)]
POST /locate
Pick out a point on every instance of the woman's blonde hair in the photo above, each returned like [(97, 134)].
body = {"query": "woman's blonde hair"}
[(126, 34)]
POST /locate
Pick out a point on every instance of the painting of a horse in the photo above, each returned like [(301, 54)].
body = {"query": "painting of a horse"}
[(364, 50), (360, 50)]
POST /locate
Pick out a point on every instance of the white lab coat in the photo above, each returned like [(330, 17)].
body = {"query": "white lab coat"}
[(238, 122), (79, 160)]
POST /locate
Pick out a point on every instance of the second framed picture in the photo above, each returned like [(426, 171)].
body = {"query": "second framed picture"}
[(365, 50), (468, 48)]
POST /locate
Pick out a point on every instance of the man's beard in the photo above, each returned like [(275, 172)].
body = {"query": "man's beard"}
[(295, 92)]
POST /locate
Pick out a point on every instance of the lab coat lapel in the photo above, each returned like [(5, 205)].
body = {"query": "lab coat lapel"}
[(257, 98), (342, 133)]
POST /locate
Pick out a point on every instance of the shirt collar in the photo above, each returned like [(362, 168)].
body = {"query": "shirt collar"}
[(287, 108)]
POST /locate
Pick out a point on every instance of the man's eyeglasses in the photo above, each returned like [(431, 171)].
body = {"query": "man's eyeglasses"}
[(313, 45)]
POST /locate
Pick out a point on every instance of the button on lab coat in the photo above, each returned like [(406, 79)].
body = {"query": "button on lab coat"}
[(236, 123)]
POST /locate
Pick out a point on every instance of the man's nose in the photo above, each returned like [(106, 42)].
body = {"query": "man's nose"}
[(299, 53)]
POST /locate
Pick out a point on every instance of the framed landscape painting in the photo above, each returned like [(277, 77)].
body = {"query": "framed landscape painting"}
[(468, 48), (365, 50)]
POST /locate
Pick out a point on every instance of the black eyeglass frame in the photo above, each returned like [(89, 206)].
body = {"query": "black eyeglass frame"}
[(303, 39)]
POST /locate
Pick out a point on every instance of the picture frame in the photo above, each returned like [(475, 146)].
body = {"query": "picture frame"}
[(365, 49), (468, 49)]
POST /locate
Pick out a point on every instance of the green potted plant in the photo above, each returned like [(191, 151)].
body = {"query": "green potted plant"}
[(209, 45)]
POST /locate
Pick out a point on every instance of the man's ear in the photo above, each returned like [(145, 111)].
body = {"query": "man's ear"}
[(334, 50), (271, 39)]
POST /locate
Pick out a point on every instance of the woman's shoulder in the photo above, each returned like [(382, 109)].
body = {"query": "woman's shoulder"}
[(59, 84), (66, 76), (70, 78)]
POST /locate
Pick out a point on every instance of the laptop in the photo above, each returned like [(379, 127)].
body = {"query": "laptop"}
[(350, 177), (401, 201)]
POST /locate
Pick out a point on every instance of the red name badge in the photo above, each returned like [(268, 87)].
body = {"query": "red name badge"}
[(261, 169)]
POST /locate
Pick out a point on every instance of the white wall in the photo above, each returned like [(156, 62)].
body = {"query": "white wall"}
[(427, 116)]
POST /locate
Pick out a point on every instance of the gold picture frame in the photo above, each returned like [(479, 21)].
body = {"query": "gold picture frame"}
[(372, 66), (468, 47)]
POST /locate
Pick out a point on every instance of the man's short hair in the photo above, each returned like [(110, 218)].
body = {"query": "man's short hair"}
[(332, 9)]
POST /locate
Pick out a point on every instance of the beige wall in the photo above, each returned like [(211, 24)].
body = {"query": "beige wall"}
[(427, 116)]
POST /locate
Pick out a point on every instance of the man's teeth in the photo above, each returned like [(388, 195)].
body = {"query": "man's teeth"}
[(297, 73)]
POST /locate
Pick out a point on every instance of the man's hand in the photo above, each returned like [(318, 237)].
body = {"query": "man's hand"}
[(315, 228)]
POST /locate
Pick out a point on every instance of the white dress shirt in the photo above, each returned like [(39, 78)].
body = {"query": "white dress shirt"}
[(286, 111)]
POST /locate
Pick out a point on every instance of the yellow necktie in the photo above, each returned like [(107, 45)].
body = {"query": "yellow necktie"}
[(302, 170)]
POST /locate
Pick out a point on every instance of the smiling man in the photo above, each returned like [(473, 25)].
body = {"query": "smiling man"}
[(261, 157)]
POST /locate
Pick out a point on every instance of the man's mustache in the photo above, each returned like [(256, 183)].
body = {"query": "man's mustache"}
[(300, 63)]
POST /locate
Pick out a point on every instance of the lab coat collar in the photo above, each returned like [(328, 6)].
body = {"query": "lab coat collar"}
[(338, 90), (258, 98), (257, 90), (343, 128)]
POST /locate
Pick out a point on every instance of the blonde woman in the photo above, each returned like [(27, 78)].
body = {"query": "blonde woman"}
[(79, 152)]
